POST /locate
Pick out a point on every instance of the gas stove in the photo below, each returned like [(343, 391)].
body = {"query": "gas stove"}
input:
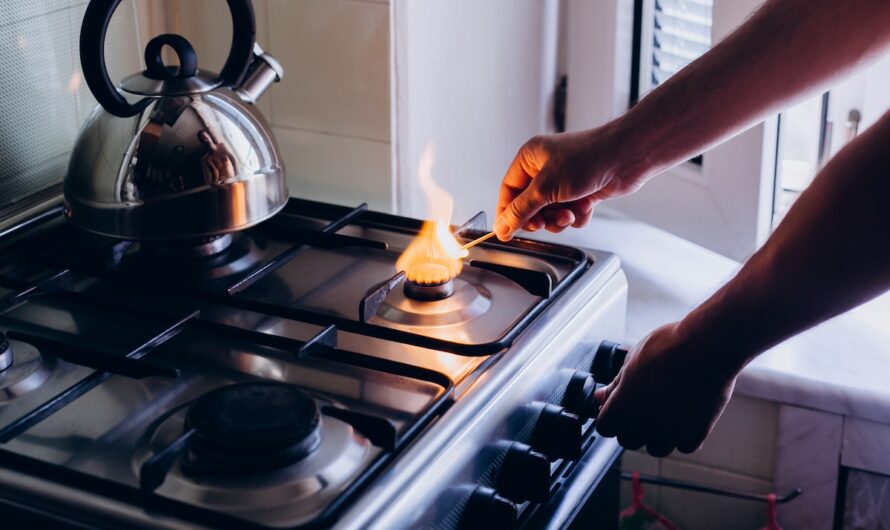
[(289, 376)]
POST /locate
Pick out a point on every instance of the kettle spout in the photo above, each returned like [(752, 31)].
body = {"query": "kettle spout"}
[(262, 72)]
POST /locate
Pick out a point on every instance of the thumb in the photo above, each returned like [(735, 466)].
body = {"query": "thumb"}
[(520, 210)]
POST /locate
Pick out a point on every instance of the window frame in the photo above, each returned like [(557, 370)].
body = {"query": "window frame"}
[(724, 204)]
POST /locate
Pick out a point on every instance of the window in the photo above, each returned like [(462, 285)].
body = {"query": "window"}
[(731, 201), (801, 149), (681, 33), (672, 34)]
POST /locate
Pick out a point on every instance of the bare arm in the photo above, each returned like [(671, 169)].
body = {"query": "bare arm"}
[(830, 253), (788, 47)]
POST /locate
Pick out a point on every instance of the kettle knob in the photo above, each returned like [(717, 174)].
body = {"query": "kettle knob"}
[(154, 62), (92, 54)]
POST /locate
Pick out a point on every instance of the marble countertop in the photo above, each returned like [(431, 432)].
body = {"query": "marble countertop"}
[(841, 366)]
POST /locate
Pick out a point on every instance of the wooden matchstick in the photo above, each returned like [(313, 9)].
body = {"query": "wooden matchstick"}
[(475, 242)]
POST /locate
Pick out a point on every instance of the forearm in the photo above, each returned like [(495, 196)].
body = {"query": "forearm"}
[(786, 48), (829, 254)]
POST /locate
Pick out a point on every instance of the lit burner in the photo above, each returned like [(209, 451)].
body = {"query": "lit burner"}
[(433, 259)]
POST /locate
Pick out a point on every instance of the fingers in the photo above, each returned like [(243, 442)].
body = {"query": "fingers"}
[(536, 223), (520, 210), (583, 210), (557, 219), (659, 448), (517, 179)]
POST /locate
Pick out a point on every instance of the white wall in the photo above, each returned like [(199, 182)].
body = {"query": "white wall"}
[(476, 80)]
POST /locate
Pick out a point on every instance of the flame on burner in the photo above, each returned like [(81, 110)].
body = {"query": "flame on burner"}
[(434, 256)]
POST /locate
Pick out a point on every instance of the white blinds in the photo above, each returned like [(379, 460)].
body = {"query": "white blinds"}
[(681, 33)]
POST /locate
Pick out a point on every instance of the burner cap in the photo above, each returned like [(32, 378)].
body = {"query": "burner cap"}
[(5, 352), (429, 292), (252, 426)]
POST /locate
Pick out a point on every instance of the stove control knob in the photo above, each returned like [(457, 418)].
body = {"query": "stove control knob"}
[(524, 475), (607, 361), (557, 433), (578, 398), (486, 509)]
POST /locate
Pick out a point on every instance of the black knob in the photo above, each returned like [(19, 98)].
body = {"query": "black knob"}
[(486, 509), (557, 433), (579, 398), (524, 475), (607, 361)]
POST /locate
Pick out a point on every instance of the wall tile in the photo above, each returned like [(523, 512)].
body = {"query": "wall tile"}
[(808, 448), (336, 169), (208, 26), (44, 100), (20, 11), (743, 440), (866, 445), (699, 511), (336, 53)]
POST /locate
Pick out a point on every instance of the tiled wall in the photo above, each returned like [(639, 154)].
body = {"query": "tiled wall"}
[(739, 454), (331, 114), (44, 100)]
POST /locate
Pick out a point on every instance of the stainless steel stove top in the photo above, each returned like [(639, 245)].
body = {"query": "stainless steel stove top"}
[(318, 369)]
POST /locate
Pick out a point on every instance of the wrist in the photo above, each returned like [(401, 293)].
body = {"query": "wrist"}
[(633, 160), (717, 349)]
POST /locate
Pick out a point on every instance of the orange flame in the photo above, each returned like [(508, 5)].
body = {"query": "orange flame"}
[(434, 256)]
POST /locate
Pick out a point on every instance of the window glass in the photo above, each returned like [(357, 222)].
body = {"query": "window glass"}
[(800, 131)]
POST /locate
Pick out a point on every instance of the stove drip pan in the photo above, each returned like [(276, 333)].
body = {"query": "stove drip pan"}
[(286, 496), (467, 302)]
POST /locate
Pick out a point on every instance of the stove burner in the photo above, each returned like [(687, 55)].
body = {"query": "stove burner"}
[(466, 302), (428, 292), (202, 262), (22, 368), (191, 248), (5, 353), (252, 427)]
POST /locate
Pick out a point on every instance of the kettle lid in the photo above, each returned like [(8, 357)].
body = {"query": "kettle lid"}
[(161, 80)]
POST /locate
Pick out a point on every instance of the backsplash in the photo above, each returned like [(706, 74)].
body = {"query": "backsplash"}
[(331, 112), (45, 100)]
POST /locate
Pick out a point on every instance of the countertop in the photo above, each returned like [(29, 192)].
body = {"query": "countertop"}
[(841, 366)]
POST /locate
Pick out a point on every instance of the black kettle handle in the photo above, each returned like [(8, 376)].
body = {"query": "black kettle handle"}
[(95, 72)]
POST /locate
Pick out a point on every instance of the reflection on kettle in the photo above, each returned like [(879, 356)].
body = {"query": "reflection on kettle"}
[(198, 158), (218, 164)]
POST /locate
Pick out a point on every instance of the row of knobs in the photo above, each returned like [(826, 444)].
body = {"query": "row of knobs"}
[(558, 434)]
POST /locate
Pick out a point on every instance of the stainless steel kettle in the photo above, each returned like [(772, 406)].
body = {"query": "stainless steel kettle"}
[(193, 157)]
